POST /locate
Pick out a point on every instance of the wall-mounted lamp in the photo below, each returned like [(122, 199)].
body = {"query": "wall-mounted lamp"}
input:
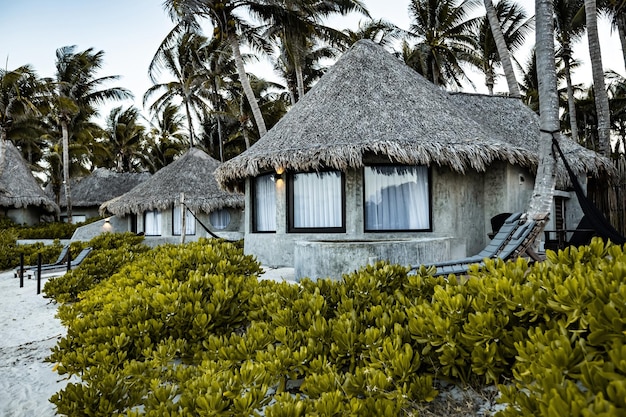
[(278, 175), (107, 227)]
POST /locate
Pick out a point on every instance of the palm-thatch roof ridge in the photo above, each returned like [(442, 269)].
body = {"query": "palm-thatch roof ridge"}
[(371, 103), (506, 117), (191, 174), (18, 187), (102, 185)]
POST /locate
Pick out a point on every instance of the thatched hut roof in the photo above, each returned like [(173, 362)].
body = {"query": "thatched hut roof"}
[(18, 187), (100, 186), (191, 174), (370, 103)]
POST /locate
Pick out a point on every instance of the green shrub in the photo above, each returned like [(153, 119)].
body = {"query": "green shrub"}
[(189, 330)]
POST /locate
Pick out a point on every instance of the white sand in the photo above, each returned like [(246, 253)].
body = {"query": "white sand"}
[(28, 330)]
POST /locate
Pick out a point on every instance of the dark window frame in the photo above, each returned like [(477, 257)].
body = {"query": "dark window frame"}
[(290, 206), (253, 210), (430, 201)]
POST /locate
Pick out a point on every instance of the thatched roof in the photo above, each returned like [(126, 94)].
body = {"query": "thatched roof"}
[(100, 186), (371, 103), (18, 187), (191, 174)]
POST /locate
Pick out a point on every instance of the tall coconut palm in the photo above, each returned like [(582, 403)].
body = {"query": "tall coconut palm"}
[(543, 194), (183, 62), (515, 27), (228, 27), (502, 48), (616, 11), (599, 88), (444, 39), (570, 26), (380, 31), (124, 135), (77, 93), (19, 91)]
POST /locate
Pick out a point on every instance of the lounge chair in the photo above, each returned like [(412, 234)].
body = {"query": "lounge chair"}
[(73, 263), (513, 239), (59, 261)]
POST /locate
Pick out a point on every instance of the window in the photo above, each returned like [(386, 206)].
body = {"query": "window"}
[(190, 222), (264, 209), (220, 219), (152, 223), (396, 198), (316, 202)]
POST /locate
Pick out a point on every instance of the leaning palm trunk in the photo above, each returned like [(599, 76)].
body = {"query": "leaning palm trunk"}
[(571, 103), (599, 89), (541, 202), (66, 169), (503, 50), (299, 79), (621, 30), (245, 84)]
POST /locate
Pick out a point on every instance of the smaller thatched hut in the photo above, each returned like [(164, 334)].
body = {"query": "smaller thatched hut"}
[(90, 192), (21, 197), (154, 206)]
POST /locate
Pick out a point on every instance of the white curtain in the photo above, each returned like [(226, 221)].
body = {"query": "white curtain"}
[(317, 200), (220, 219), (190, 222), (265, 204), (396, 198), (152, 223)]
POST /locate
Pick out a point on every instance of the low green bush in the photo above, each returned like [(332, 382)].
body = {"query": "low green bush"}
[(189, 330)]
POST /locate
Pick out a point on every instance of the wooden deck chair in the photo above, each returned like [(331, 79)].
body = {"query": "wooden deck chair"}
[(59, 261)]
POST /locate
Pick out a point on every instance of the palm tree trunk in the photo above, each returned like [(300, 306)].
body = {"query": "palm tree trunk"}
[(66, 168), (245, 84), (543, 193), (189, 123), (503, 50), (599, 89), (299, 78), (571, 103)]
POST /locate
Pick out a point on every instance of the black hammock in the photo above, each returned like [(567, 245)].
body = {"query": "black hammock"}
[(597, 221)]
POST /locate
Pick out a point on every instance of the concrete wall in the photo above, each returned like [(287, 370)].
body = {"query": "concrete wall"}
[(462, 206), (29, 216)]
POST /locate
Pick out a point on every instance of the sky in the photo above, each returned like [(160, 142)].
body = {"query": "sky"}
[(130, 31)]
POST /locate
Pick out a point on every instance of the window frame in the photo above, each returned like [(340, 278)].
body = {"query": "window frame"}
[(253, 211), (430, 200), (291, 206), (188, 218)]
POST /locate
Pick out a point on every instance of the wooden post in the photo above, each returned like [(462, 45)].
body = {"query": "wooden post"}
[(69, 261), (21, 270), (183, 215), (39, 273)]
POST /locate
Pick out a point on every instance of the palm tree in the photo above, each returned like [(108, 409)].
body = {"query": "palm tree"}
[(183, 62), (380, 31), (570, 26), (19, 91), (165, 140), (543, 194), (602, 100), (514, 26), (77, 92), (502, 48), (124, 135), (229, 28), (616, 11), (445, 39)]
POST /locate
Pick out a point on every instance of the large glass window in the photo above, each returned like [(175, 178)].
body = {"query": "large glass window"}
[(317, 201), (396, 198), (220, 219), (190, 222), (264, 204), (152, 223)]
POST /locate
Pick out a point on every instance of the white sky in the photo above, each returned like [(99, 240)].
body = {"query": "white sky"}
[(129, 32)]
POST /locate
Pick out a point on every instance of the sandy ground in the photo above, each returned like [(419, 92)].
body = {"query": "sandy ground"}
[(28, 330)]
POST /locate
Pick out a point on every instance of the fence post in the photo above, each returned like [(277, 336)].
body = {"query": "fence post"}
[(21, 270), (69, 261), (39, 273)]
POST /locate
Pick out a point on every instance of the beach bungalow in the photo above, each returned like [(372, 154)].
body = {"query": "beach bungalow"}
[(376, 162), (21, 198), (153, 207), (90, 192)]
